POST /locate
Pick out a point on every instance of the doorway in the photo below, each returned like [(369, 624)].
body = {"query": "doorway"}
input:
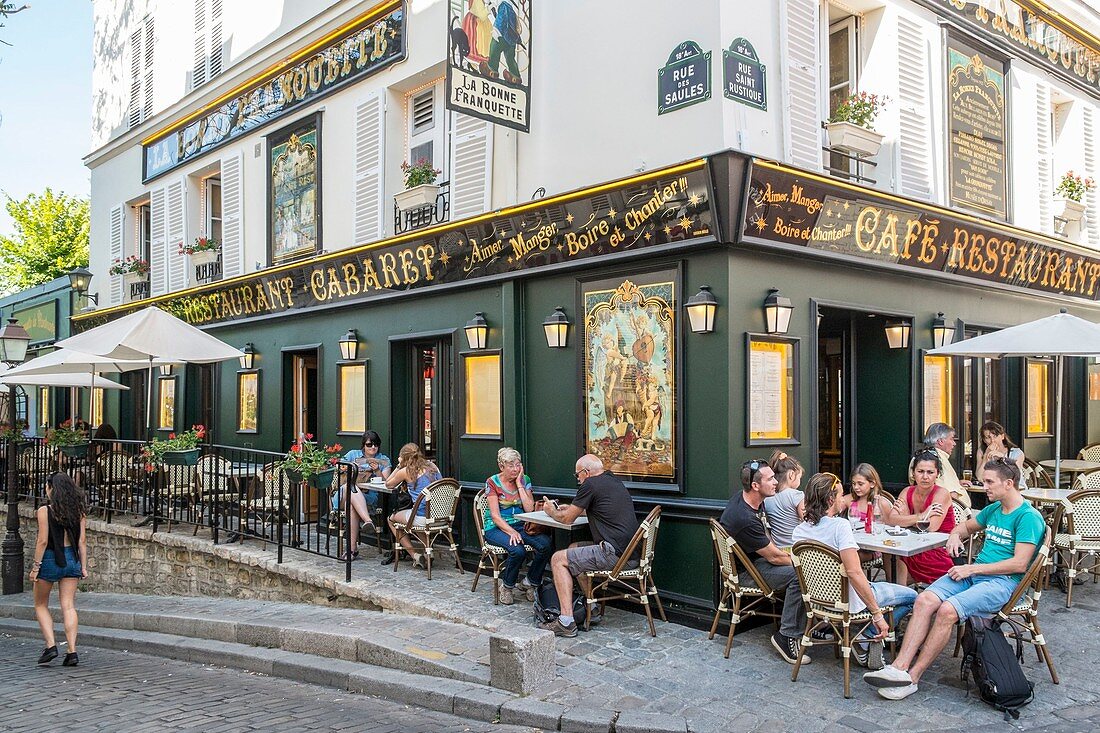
[(134, 404), (422, 400), (201, 399), (304, 404)]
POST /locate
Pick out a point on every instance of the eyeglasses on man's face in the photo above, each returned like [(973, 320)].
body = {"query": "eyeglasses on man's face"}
[(578, 472)]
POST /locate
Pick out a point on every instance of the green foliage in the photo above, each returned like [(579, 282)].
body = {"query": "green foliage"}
[(51, 238)]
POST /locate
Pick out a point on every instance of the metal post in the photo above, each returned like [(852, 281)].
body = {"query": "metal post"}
[(1058, 422), (12, 552)]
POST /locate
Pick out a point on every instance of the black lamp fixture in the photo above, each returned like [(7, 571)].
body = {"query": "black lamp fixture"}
[(777, 312), (701, 309), (349, 345), (477, 331), (165, 370), (942, 334), (13, 342), (897, 334), (80, 279), (556, 327), (248, 358)]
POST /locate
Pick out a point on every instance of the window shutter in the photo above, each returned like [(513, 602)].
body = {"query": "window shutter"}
[(370, 130), (158, 260), (215, 38), (232, 254), (915, 140), (471, 165), (1092, 169), (1043, 157), (150, 44), (177, 263), (115, 238), (802, 115), (135, 78), (198, 75)]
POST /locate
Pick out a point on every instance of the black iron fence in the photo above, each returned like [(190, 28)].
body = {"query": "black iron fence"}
[(232, 493)]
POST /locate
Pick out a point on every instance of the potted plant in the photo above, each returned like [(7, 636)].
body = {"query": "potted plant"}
[(7, 432), (202, 251), (306, 461), (851, 128), (420, 189), (70, 439), (133, 269), (179, 449), (1068, 195)]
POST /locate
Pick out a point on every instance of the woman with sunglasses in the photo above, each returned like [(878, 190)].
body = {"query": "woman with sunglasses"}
[(824, 501), (925, 505), (372, 464)]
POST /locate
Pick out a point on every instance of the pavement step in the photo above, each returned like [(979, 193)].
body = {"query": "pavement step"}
[(407, 643), (465, 699)]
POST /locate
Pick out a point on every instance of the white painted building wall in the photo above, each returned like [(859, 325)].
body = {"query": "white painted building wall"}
[(593, 116)]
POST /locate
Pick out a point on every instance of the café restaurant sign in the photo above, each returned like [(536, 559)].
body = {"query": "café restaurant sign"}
[(1056, 46), (372, 43), (791, 207), (663, 207)]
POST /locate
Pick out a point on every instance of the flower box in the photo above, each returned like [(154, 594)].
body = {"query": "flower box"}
[(134, 277), (205, 257), (854, 139), (76, 450), (322, 480), (182, 457), (417, 196), (1068, 209)]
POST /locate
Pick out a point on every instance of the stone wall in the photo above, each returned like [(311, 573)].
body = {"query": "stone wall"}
[(125, 559)]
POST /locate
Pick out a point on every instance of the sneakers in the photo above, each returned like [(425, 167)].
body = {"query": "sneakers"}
[(822, 635), (890, 676), (789, 648), (48, 654), (559, 628), (71, 660), (528, 590), (868, 654), (507, 595), (897, 693)]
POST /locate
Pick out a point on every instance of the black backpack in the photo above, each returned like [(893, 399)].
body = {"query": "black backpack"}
[(548, 607), (996, 669)]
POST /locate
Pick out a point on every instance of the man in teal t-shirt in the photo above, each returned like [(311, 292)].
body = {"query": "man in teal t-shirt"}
[(1013, 531)]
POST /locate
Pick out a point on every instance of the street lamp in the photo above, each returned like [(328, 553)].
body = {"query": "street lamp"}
[(248, 356), (942, 333), (349, 345), (556, 328), (13, 350), (701, 309), (80, 279)]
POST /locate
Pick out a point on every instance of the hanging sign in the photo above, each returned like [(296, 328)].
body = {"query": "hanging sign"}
[(489, 61), (684, 80), (744, 77)]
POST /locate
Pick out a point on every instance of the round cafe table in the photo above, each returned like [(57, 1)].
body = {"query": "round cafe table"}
[(1071, 467)]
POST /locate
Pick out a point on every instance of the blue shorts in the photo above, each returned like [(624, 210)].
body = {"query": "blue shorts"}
[(978, 595), (51, 572)]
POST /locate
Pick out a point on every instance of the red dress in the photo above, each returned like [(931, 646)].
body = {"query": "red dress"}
[(930, 565)]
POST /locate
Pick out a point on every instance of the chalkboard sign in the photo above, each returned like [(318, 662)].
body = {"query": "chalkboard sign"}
[(684, 79), (744, 78)]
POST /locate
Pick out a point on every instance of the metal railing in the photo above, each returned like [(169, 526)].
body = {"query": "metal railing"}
[(234, 493), (139, 290), (210, 271), (405, 220)]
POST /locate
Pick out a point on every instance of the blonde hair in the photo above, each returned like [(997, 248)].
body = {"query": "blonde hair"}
[(508, 455), (413, 459), (867, 471)]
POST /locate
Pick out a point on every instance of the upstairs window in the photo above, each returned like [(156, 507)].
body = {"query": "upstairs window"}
[(425, 127), (142, 45), (207, 42)]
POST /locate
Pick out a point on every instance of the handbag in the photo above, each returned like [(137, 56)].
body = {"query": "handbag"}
[(531, 527), (403, 501)]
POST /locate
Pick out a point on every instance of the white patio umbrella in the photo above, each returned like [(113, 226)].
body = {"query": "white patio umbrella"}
[(1057, 336), (59, 380)]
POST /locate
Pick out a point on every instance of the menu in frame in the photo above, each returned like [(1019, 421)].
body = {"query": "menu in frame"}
[(1038, 397), (937, 390), (771, 400)]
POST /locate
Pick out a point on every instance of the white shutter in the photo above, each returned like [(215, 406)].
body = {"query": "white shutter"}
[(801, 29), (135, 78), (471, 166), (158, 259), (1043, 157), (198, 74), (150, 44), (915, 140), (215, 52), (370, 137), (177, 263), (115, 238), (1092, 169), (232, 240)]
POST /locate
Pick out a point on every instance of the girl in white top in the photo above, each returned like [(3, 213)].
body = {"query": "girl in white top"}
[(996, 443), (784, 510)]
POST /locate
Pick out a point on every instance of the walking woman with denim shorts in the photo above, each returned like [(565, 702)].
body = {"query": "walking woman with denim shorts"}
[(60, 556)]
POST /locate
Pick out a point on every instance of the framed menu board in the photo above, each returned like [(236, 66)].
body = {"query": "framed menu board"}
[(939, 395), (771, 399), (1038, 398)]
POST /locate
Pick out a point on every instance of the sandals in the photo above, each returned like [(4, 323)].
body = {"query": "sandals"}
[(419, 562)]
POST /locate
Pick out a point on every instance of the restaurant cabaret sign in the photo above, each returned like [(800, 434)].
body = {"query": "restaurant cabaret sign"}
[(370, 45), (791, 207), (661, 208)]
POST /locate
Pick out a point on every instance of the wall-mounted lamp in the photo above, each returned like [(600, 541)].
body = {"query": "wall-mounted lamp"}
[(349, 345), (165, 370), (249, 356), (556, 327), (942, 334), (701, 309), (477, 331), (80, 279), (897, 334), (777, 312), (13, 343)]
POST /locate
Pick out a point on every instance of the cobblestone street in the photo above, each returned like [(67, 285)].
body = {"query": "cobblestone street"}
[(116, 691)]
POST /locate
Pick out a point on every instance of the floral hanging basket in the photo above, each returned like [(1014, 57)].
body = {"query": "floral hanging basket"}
[(77, 450), (182, 457)]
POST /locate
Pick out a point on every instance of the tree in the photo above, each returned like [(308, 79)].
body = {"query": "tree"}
[(51, 238), (7, 9)]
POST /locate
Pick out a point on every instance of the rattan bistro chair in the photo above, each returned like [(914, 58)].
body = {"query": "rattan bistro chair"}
[(825, 590), (1079, 546), (1090, 452), (215, 484), (269, 506), (493, 556), (627, 584), (761, 596), (440, 500), (180, 488), (1036, 476), (116, 479), (1090, 480)]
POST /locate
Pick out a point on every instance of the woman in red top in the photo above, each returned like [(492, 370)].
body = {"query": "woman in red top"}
[(925, 501)]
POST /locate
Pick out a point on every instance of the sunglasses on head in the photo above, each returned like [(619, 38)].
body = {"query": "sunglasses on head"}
[(835, 478), (754, 465)]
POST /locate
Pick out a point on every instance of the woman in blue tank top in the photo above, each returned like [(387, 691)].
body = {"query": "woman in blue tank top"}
[(416, 472)]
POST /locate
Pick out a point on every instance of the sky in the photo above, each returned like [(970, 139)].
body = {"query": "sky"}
[(45, 100)]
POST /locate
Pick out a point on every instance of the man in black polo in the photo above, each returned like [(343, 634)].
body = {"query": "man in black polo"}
[(604, 499), (746, 523)]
